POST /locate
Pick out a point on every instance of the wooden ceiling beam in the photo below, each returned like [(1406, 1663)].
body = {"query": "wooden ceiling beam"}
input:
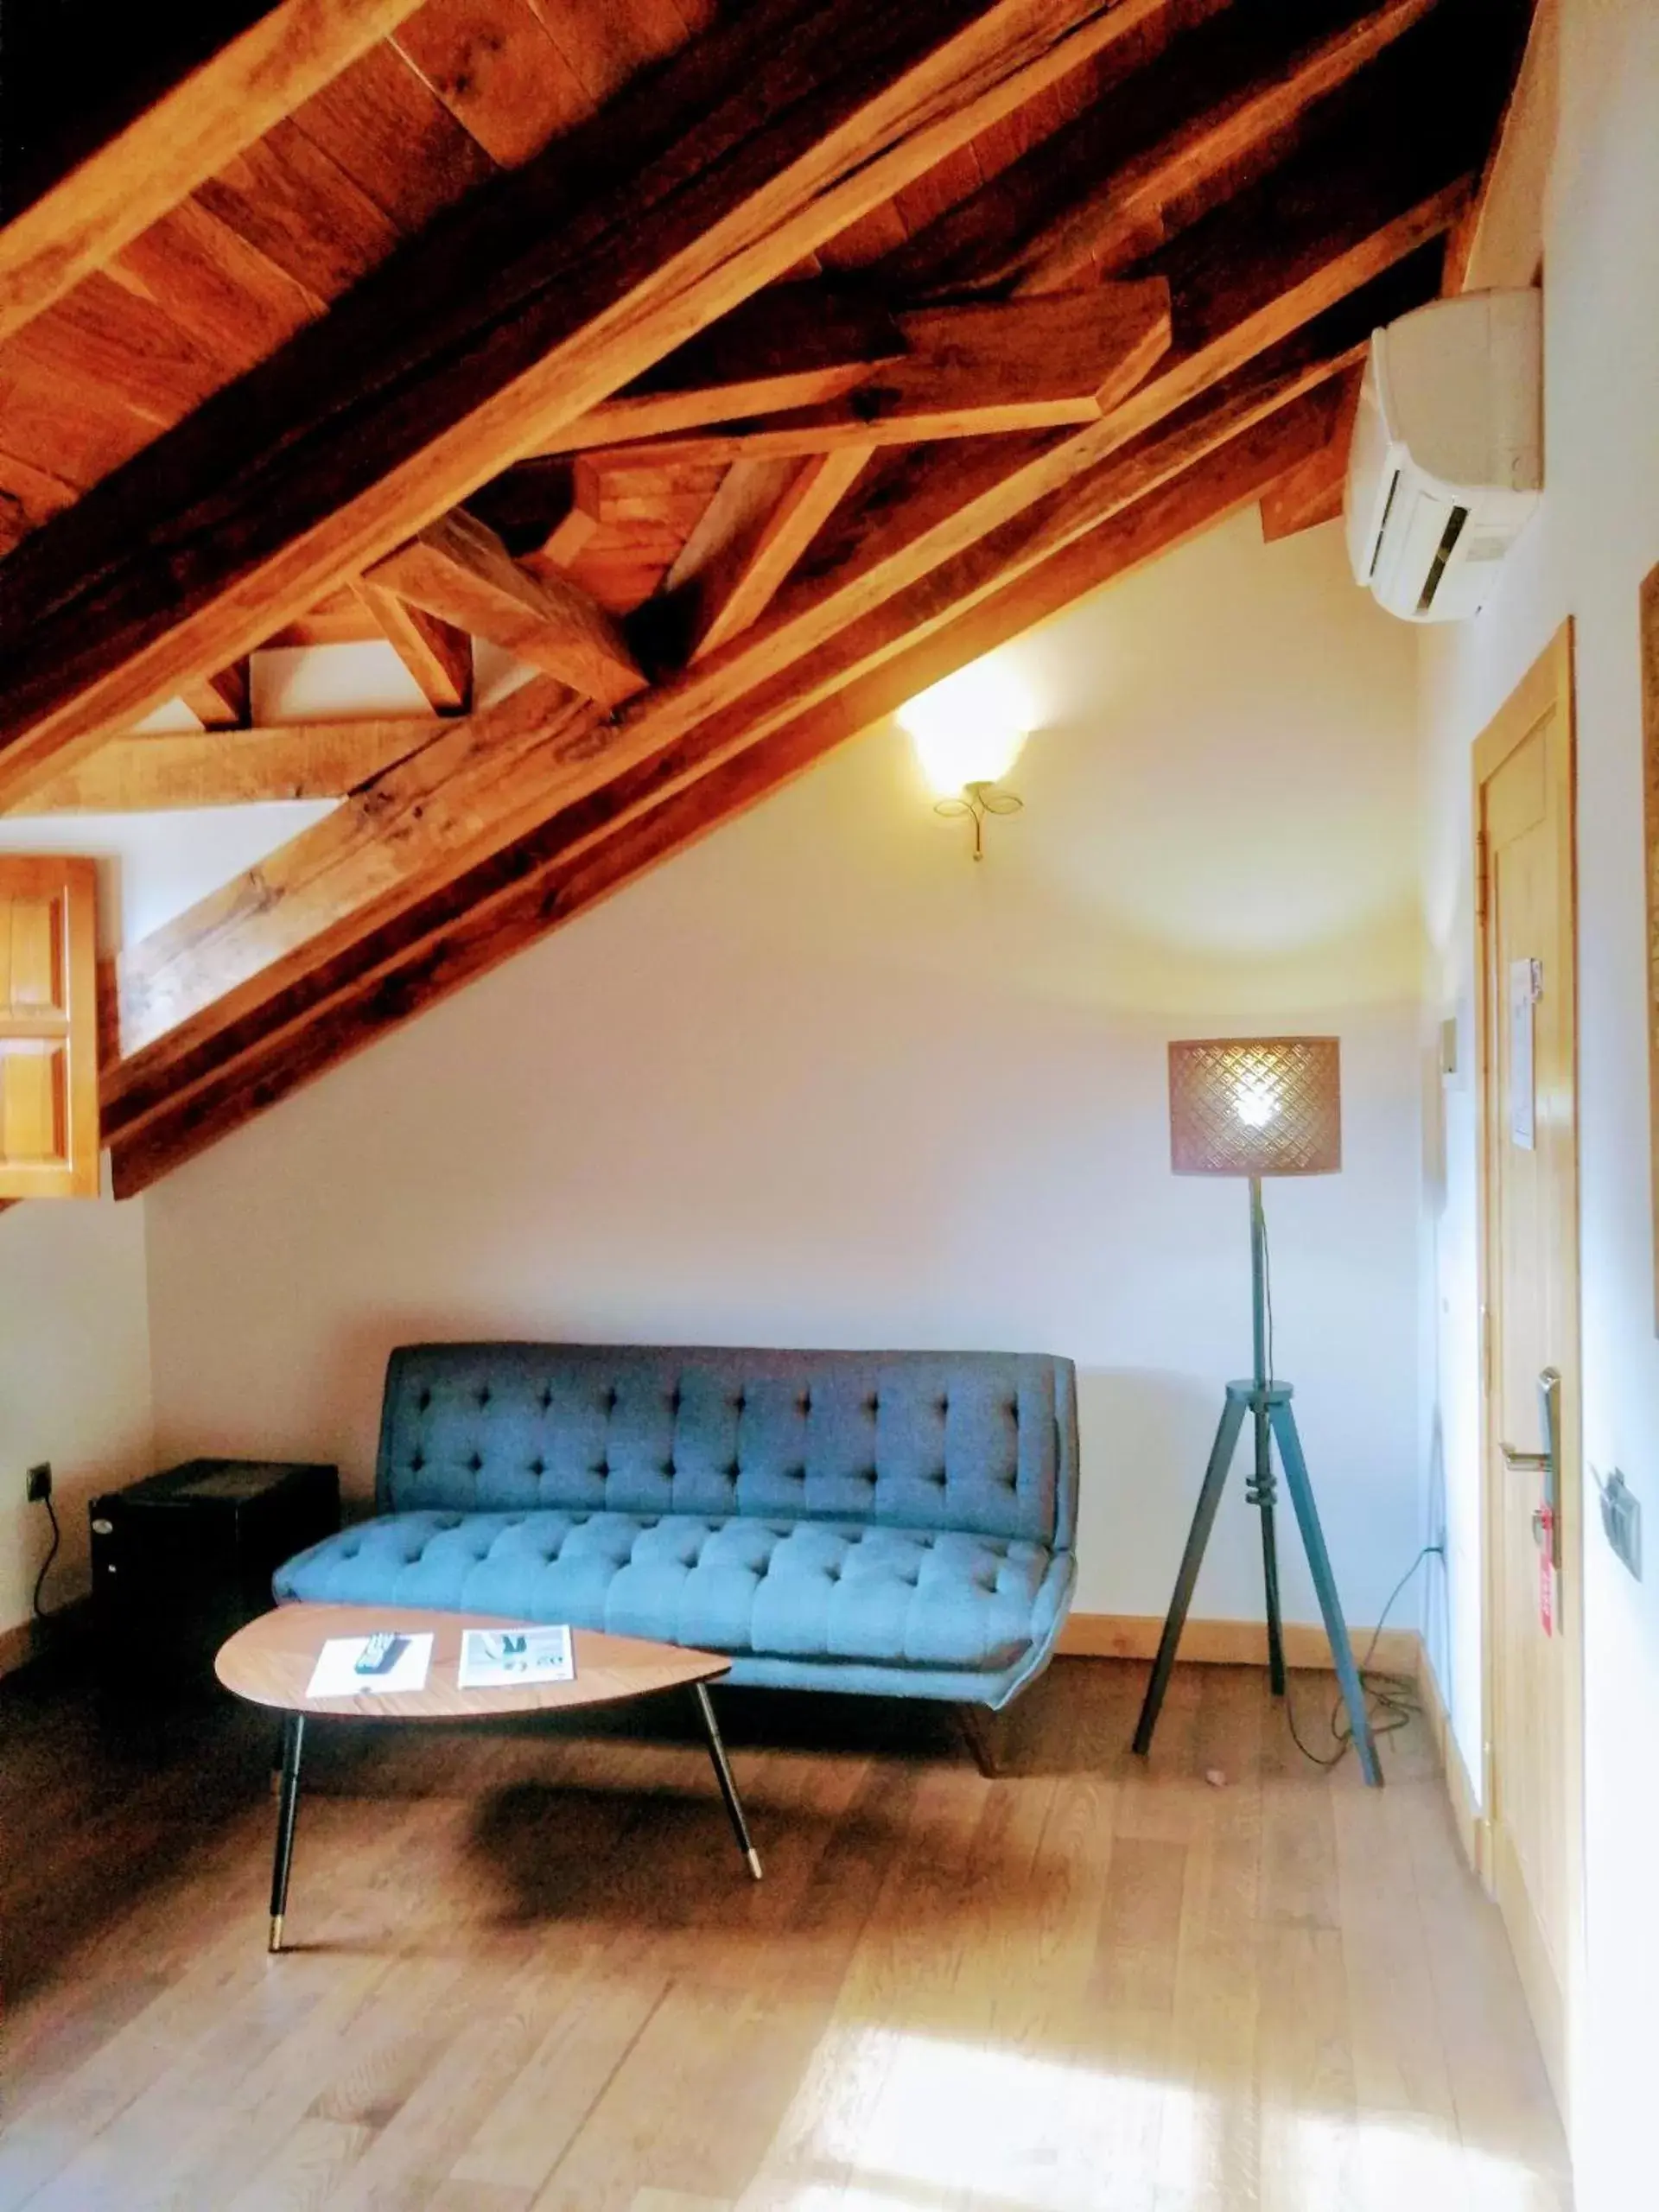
[(341, 617), (1221, 106), (221, 701), (1107, 224), (571, 861), (794, 346), (163, 100), (243, 767), (437, 653), (969, 372), (1312, 492), (459, 569), (742, 588), (525, 306)]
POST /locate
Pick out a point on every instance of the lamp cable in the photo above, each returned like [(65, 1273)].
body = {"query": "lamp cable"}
[(1391, 1701)]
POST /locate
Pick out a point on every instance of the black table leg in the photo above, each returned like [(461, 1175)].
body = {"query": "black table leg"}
[(722, 1770), (288, 1806)]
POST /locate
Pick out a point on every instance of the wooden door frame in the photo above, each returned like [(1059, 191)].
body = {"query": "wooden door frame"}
[(1548, 683)]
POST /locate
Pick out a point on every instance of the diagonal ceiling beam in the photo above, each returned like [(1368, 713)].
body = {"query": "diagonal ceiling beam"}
[(459, 569), (522, 307), (1104, 226), (163, 98), (577, 858), (437, 653), (795, 347), (969, 372)]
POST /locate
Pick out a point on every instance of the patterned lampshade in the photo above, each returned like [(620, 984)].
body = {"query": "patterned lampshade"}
[(1255, 1106)]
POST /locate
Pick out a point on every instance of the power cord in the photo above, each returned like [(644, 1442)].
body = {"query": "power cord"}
[(41, 1612), (1390, 1700)]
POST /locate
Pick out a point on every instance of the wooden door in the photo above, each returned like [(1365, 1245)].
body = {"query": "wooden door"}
[(48, 1029), (1524, 812)]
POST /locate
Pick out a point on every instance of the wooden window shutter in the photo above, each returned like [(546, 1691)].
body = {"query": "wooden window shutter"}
[(48, 1028)]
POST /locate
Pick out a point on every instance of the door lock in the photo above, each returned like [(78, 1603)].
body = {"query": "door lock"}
[(1547, 1520)]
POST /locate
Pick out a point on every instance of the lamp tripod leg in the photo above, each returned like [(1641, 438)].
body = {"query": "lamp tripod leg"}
[(1319, 1560), (1214, 1481), (1270, 1580)]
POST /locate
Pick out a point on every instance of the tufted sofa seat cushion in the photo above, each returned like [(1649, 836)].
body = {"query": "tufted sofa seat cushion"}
[(804, 1590)]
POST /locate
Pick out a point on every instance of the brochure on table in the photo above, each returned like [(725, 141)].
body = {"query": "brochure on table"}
[(498, 1658), (336, 1675)]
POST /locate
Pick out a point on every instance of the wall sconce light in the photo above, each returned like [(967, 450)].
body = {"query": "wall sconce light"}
[(967, 732)]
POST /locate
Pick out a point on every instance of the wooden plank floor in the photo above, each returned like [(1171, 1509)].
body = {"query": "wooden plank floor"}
[(530, 1974)]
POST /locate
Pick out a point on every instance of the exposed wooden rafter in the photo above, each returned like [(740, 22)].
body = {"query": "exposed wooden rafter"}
[(437, 653), (459, 569), (220, 701), (143, 775), (968, 371), (526, 305), (1312, 492)]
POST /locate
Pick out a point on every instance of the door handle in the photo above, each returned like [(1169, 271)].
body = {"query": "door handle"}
[(1546, 1463)]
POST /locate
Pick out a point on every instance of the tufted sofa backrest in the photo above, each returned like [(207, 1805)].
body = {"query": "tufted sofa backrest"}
[(985, 1442)]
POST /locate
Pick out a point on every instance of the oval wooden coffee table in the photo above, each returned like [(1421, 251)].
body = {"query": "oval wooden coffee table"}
[(270, 1660)]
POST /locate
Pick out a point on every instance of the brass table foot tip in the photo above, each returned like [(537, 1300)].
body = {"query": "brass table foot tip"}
[(276, 1942), (753, 1858)]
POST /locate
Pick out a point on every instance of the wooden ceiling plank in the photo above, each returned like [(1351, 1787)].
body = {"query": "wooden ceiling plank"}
[(309, 760), (1102, 228), (28, 497), (495, 68), (523, 309), (219, 106), (459, 569), (437, 653), (382, 123), (221, 701), (162, 1115)]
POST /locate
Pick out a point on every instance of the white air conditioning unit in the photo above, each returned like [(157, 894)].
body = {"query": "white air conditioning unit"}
[(1446, 463)]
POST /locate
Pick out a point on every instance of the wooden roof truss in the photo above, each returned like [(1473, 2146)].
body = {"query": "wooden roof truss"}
[(741, 370)]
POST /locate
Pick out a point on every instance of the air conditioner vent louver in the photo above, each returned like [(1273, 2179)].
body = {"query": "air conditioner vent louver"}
[(1382, 528), (1446, 462), (1443, 553)]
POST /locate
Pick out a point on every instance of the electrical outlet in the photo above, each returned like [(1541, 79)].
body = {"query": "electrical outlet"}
[(37, 1483), (1621, 1516)]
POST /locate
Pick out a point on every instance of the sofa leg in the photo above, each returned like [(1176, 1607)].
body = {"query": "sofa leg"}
[(983, 1731)]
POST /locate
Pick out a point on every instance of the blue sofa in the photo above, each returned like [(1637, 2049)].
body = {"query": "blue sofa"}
[(897, 1523)]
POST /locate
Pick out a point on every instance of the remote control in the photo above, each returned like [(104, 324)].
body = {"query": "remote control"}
[(381, 1653)]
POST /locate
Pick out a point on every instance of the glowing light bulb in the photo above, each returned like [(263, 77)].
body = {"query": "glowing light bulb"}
[(1255, 1105)]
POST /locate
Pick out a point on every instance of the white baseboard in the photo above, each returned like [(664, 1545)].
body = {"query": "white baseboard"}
[(1474, 1829)]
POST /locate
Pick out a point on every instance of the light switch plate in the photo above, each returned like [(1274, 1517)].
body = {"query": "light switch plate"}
[(1621, 1516)]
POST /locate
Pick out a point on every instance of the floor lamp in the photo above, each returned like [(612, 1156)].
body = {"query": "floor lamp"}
[(1257, 1106)]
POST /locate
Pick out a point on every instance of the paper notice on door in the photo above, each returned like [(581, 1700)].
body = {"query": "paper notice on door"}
[(1523, 997)]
